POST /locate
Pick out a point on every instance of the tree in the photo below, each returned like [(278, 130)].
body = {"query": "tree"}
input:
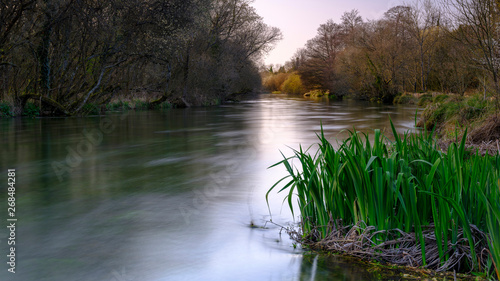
[(13, 30), (318, 70), (476, 26), (423, 20), (69, 54)]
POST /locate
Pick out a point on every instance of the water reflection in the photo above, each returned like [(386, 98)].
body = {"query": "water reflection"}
[(169, 195)]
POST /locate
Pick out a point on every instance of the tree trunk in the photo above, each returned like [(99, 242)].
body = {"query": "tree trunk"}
[(166, 91), (422, 70), (497, 90), (47, 101), (43, 52), (186, 76)]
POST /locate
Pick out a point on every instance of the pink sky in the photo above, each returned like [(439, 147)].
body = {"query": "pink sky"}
[(299, 19)]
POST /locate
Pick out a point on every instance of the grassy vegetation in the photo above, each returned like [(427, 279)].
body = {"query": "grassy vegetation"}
[(5, 110), (449, 114), (405, 98), (403, 202)]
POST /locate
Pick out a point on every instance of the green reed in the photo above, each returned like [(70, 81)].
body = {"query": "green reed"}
[(406, 184)]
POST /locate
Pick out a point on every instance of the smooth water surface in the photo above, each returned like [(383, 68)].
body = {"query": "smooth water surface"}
[(169, 195)]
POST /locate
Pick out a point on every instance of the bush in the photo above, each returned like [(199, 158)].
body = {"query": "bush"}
[(293, 85), (405, 98), (31, 110), (140, 105), (5, 110), (274, 82), (120, 105), (90, 109)]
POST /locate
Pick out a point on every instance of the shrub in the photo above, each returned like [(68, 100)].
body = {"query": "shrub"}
[(31, 110), (165, 105), (120, 105), (293, 85), (274, 82), (5, 110), (90, 109), (140, 105)]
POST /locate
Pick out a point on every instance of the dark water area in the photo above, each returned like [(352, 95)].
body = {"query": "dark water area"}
[(169, 195)]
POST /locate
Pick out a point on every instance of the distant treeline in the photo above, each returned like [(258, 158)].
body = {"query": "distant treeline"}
[(446, 46), (65, 55)]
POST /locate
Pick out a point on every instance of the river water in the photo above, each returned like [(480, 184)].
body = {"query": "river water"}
[(169, 195)]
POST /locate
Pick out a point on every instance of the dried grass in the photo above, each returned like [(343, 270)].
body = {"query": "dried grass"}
[(489, 131), (399, 248)]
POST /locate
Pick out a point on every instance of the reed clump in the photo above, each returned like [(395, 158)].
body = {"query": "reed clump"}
[(403, 202)]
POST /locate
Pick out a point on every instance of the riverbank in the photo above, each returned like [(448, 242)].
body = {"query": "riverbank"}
[(451, 116), (136, 101), (404, 202)]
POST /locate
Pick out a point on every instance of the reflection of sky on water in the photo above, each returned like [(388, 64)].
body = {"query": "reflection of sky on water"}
[(170, 195)]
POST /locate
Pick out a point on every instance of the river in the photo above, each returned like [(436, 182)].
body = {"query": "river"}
[(169, 195)]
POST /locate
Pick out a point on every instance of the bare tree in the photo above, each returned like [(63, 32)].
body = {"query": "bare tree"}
[(423, 19), (476, 26), (71, 55), (318, 70)]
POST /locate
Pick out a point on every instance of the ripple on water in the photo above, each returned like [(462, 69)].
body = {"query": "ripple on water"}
[(167, 161)]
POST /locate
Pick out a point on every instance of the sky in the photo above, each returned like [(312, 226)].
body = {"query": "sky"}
[(299, 20)]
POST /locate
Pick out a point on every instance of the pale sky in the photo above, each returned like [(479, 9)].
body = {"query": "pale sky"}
[(300, 19)]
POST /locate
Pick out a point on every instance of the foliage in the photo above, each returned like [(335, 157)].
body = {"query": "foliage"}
[(119, 105), (274, 82), (405, 98), (141, 105), (443, 201), (5, 110), (90, 109), (31, 110), (293, 85)]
